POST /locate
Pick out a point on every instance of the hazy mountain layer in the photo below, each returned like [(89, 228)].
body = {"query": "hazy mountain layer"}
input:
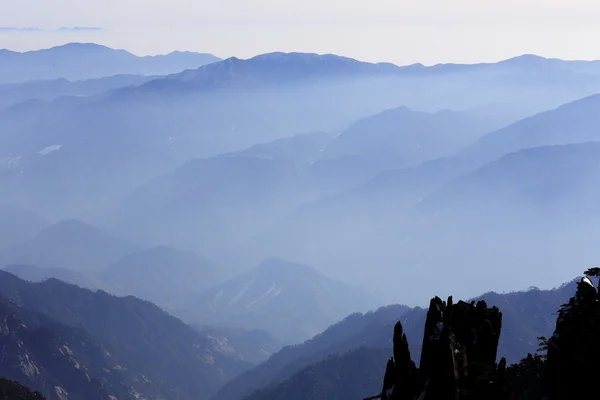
[(79, 154), (52, 89), (79, 61), (528, 208), (71, 245), (163, 275), (359, 338), (167, 277), (291, 301), (18, 225), (349, 375)]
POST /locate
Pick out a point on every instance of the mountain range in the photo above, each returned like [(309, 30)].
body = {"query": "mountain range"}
[(288, 302), (63, 329), (69, 244), (271, 200), (291, 301), (168, 223), (573, 122), (161, 274), (81, 61), (48, 90), (107, 345), (540, 192), (363, 338), (211, 204), (137, 133), (208, 203), (78, 253)]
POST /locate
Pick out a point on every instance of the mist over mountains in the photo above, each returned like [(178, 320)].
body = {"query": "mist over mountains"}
[(81, 61), (185, 227)]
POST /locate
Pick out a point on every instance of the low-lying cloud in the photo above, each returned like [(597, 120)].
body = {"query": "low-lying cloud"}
[(62, 29), (80, 28), (19, 29)]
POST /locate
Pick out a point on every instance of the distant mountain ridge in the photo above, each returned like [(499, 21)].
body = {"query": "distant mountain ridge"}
[(291, 301), (574, 122), (271, 69), (48, 90), (18, 225), (254, 186), (77, 253), (278, 67), (401, 137), (79, 61), (70, 244), (263, 183), (160, 274), (118, 141), (534, 181)]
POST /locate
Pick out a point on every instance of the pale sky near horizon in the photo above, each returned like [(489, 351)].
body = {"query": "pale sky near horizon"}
[(398, 31)]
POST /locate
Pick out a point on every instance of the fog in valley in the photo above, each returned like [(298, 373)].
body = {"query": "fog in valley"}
[(400, 180), (231, 207)]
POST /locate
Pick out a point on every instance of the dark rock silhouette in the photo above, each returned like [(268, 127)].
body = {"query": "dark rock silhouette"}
[(11, 390), (458, 358), (574, 349)]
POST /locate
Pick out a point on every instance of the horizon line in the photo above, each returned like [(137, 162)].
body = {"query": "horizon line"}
[(71, 29), (28, 29)]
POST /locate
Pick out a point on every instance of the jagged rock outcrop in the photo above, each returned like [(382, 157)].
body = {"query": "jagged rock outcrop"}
[(458, 358), (10, 390), (573, 359)]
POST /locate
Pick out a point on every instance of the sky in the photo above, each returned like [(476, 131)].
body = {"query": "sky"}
[(398, 31)]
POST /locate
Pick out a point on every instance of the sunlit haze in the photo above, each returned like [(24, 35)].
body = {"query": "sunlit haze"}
[(399, 31), (300, 200)]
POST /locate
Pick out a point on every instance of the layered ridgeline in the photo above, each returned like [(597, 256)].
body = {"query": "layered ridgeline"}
[(291, 301), (80, 61), (137, 133), (78, 253), (212, 204), (165, 276), (348, 356), (365, 338), (69, 244), (457, 357), (31, 92), (534, 181), (65, 339)]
